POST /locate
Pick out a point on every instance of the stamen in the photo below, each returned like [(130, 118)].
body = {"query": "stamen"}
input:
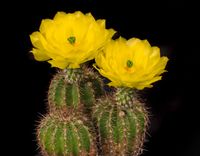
[(129, 63), (72, 39)]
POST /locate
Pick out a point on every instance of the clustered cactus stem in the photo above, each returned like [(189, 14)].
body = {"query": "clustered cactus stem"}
[(84, 120), (67, 129)]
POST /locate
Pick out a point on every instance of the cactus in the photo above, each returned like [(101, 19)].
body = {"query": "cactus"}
[(59, 136), (82, 119), (122, 122), (65, 131), (72, 88)]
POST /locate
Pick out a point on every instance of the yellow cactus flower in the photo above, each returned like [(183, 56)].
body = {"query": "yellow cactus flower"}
[(130, 63), (69, 39)]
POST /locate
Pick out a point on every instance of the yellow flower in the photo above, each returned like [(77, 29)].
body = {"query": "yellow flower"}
[(133, 63), (69, 39)]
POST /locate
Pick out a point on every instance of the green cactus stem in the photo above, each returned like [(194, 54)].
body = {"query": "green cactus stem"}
[(65, 137), (122, 122), (71, 88)]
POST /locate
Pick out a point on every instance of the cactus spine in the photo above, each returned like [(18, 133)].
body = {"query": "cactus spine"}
[(67, 130), (122, 121)]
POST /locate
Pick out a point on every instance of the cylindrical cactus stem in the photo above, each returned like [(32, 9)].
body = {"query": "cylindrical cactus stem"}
[(65, 137), (71, 88), (122, 122)]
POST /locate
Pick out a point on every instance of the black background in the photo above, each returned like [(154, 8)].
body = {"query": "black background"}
[(171, 25)]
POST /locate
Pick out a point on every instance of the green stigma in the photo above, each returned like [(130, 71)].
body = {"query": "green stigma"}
[(129, 63), (72, 39)]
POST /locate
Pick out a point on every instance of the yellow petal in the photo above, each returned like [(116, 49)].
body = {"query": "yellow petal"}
[(45, 26), (59, 16), (39, 55), (38, 40), (102, 23), (62, 64)]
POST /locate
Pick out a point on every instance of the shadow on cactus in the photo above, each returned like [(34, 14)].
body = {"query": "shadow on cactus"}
[(83, 119)]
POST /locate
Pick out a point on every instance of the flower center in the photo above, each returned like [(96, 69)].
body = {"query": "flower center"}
[(72, 39), (129, 63)]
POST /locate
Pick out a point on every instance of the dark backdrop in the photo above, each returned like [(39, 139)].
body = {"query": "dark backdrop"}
[(171, 25)]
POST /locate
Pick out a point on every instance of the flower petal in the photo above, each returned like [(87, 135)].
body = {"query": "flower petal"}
[(39, 55)]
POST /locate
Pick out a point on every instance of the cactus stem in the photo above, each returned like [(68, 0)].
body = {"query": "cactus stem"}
[(110, 131), (100, 139), (87, 96), (121, 121), (48, 139), (65, 140), (39, 130), (78, 138), (53, 139), (125, 135)]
